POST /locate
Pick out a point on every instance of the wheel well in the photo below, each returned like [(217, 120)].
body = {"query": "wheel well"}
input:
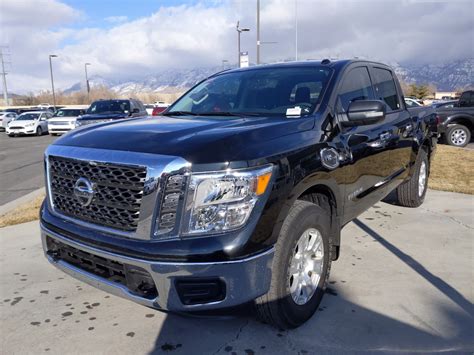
[(323, 190), (309, 195), (463, 121)]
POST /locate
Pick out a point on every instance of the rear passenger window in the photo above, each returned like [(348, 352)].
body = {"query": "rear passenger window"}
[(385, 88), (466, 100), (356, 86)]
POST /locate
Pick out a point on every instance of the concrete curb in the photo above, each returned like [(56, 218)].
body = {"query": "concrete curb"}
[(21, 200)]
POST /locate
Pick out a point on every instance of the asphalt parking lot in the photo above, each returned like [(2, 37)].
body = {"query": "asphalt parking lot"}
[(403, 284), (21, 165)]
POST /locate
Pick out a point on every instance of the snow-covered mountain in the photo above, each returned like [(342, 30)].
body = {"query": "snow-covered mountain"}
[(167, 81), (447, 77)]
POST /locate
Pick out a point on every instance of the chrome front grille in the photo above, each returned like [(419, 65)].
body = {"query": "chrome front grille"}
[(118, 191), (58, 123)]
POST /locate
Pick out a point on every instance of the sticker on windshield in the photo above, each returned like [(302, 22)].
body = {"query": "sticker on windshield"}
[(293, 111)]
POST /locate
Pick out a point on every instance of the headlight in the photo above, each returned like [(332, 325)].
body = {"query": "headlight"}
[(223, 201), (30, 124)]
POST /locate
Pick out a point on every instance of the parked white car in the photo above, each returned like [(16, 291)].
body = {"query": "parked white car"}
[(29, 123), (5, 118), (64, 120), (411, 103)]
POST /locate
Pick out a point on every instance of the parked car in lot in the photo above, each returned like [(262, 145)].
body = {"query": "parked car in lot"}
[(5, 118), (239, 192), (149, 109), (412, 102), (29, 123), (111, 110), (160, 106), (457, 120), (444, 104), (64, 120)]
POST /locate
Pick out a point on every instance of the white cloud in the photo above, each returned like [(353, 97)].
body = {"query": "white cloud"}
[(116, 19), (203, 34)]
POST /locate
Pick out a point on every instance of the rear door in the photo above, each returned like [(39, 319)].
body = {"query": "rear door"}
[(369, 163), (398, 123)]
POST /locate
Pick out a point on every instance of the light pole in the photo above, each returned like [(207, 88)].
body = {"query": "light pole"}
[(224, 61), (87, 82), (258, 32), (239, 31), (52, 80), (296, 30)]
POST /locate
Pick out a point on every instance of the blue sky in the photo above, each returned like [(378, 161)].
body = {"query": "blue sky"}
[(95, 11)]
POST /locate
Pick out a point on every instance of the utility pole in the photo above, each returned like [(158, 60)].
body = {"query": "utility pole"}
[(52, 80), (4, 77), (88, 89), (258, 32)]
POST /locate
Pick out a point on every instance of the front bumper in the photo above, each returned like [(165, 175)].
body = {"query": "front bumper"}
[(21, 131), (243, 280), (59, 129)]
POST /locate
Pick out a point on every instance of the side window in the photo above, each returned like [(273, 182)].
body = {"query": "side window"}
[(385, 88), (466, 100), (355, 86)]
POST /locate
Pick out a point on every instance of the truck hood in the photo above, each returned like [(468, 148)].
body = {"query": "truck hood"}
[(199, 140)]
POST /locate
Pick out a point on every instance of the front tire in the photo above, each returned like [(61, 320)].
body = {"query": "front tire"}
[(39, 131), (301, 266), (458, 135), (412, 193)]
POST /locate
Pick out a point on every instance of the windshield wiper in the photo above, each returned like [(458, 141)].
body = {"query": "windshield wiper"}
[(180, 113)]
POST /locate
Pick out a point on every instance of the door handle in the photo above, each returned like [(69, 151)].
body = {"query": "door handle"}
[(384, 138)]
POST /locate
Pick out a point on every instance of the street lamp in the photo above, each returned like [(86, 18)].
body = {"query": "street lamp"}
[(87, 82), (52, 80), (240, 30), (224, 61)]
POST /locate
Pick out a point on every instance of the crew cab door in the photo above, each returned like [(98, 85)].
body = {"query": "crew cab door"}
[(398, 124), (368, 163)]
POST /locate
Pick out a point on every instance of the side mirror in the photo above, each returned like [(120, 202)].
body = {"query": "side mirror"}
[(365, 112), (136, 110)]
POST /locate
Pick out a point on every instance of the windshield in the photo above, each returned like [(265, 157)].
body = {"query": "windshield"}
[(112, 106), (260, 92), (67, 113), (27, 117)]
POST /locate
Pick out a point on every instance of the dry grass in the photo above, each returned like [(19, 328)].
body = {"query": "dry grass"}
[(23, 213), (451, 170)]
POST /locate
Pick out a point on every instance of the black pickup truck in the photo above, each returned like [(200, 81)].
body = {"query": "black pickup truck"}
[(238, 193), (457, 120)]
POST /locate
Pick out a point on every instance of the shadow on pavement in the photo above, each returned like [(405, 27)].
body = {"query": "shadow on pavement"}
[(339, 325), (440, 284)]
